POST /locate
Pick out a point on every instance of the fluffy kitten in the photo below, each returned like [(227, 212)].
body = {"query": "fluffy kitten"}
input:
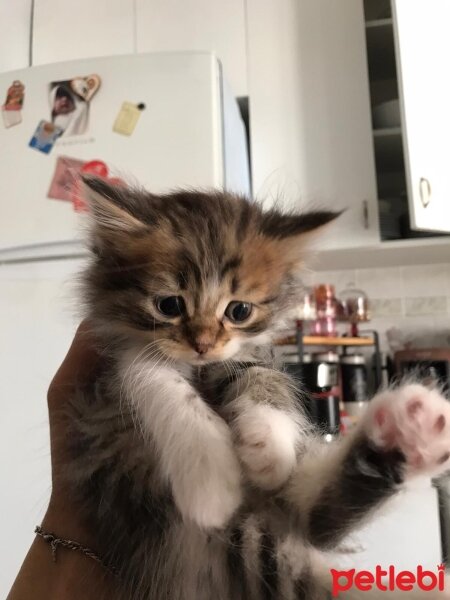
[(192, 459)]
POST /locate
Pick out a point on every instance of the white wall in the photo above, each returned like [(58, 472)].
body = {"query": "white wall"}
[(67, 31), (15, 20)]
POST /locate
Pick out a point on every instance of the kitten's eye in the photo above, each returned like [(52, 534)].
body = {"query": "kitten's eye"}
[(238, 312), (171, 306)]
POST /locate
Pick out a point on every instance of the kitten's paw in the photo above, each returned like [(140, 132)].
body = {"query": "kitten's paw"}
[(415, 420), (266, 444), (207, 488)]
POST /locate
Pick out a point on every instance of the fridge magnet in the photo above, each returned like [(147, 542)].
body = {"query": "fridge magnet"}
[(45, 136), (127, 118), (14, 96), (67, 171), (69, 103), (11, 117), (86, 87), (11, 110)]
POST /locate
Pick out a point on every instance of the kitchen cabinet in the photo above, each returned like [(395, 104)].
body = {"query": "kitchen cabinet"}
[(310, 122), (317, 69), (111, 27), (196, 25), (66, 30), (422, 47), (407, 50), (15, 24), (410, 99)]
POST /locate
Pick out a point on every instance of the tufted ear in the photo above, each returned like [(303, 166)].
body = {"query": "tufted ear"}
[(111, 207), (283, 226), (293, 233)]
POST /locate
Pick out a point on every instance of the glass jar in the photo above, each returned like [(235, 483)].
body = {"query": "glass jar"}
[(325, 323), (354, 307)]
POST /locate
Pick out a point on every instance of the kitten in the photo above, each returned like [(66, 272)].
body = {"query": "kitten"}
[(192, 458)]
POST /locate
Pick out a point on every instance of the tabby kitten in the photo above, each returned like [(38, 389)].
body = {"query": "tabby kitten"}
[(192, 458)]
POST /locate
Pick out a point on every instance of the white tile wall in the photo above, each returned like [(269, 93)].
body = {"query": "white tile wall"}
[(411, 299)]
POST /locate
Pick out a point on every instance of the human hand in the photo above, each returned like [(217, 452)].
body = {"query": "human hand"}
[(77, 369)]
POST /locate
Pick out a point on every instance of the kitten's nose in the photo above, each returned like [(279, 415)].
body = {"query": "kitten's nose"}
[(202, 346)]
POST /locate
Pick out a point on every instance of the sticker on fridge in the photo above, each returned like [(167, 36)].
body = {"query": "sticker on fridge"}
[(15, 96), (12, 108), (63, 184), (127, 118), (45, 136), (70, 102)]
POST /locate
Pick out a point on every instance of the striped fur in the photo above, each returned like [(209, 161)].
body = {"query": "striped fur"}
[(199, 471)]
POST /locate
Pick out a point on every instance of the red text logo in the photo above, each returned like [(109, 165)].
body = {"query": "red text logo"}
[(388, 580)]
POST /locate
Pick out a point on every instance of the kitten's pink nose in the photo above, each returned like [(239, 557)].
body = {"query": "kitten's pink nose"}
[(202, 347)]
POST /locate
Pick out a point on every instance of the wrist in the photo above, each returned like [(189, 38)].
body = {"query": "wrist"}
[(66, 521)]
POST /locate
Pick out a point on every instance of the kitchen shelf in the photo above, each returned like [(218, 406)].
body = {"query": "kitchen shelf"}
[(380, 49), (379, 23), (387, 131), (313, 340), (388, 146), (299, 341), (376, 10)]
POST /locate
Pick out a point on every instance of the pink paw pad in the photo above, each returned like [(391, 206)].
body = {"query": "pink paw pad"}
[(415, 420)]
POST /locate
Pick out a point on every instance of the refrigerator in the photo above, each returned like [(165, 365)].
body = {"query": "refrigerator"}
[(164, 121)]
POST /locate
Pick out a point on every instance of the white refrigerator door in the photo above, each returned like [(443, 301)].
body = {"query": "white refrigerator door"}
[(178, 139), (37, 321)]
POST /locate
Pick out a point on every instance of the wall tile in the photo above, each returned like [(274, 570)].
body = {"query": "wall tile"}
[(425, 280), (431, 305), (387, 307), (380, 283)]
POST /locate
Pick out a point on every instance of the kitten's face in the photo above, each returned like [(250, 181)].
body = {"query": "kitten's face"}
[(196, 276)]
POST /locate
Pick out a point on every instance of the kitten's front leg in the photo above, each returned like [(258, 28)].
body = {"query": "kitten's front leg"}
[(267, 422), (193, 443), (404, 433)]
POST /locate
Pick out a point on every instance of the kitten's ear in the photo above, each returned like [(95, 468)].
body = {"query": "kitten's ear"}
[(278, 226), (111, 207), (293, 232)]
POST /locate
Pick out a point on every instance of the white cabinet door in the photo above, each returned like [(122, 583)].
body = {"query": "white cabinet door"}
[(423, 54), (310, 123), (15, 23), (197, 25), (67, 30)]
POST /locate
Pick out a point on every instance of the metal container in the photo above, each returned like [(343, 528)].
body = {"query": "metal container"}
[(355, 393), (354, 378), (321, 378)]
